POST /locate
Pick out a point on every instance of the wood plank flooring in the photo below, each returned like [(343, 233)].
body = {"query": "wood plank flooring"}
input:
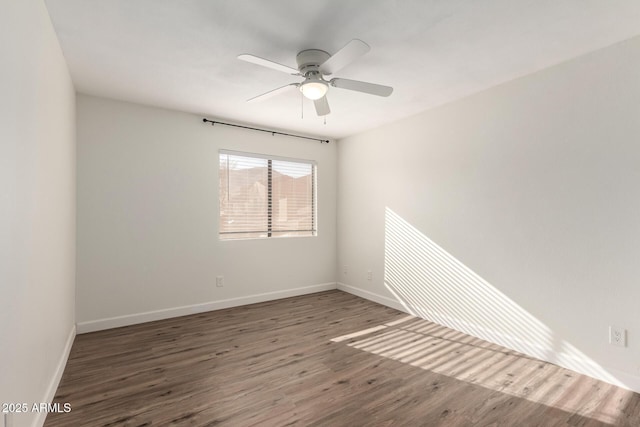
[(327, 359)]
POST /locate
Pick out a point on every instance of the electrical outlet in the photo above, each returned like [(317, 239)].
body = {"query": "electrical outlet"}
[(220, 281), (345, 269), (369, 275), (617, 336)]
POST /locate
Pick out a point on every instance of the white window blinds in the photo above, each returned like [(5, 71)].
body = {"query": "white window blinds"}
[(263, 196)]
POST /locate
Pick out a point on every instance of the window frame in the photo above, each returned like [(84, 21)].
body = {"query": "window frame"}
[(270, 158)]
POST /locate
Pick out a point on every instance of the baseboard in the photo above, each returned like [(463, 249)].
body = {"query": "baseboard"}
[(55, 381), (626, 380), (150, 316), (371, 296)]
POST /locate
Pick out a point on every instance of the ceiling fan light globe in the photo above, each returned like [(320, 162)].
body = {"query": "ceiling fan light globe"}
[(314, 90)]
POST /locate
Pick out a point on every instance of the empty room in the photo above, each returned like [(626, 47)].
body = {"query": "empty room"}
[(327, 213)]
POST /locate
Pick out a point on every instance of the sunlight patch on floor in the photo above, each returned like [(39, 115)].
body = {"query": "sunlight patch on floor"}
[(436, 348)]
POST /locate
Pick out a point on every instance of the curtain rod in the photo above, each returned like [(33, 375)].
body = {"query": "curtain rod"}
[(272, 132)]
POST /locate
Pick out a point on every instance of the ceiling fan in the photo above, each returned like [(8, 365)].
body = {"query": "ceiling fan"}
[(314, 65)]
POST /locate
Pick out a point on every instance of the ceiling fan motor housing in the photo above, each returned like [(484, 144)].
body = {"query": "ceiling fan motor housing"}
[(310, 60)]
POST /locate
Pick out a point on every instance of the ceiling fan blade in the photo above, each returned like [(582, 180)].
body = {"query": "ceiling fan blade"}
[(266, 63), (353, 50), (359, 86), (322, 106), (273, 92)]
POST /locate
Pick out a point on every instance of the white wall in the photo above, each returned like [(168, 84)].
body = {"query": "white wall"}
[(148, 244), (513, 214), (37, 207)]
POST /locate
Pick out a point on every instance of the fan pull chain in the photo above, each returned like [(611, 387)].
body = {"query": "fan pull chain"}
[(301, 106)]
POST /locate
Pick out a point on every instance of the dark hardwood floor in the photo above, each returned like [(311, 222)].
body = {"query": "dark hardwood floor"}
[(327, 359)]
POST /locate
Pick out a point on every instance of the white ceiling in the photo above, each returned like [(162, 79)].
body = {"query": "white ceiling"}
[(182, 54)]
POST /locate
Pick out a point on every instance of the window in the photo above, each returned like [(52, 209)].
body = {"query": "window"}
[(265, 196)]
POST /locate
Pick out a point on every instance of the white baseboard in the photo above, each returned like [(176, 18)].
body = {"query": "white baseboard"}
[(55, 381), (626, 380), (371, 296), (150, 316)]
